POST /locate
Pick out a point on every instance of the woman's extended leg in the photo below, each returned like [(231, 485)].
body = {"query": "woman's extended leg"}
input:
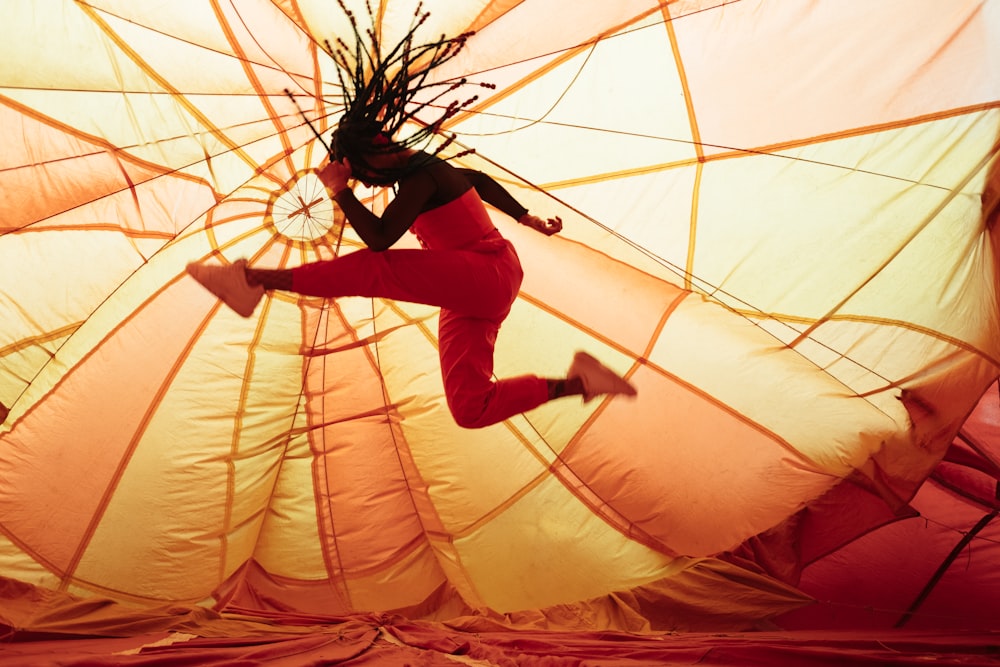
[(480, 284), (474, 283)]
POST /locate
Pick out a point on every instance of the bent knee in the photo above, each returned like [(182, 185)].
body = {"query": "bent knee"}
[(469, 418), (469, 413)]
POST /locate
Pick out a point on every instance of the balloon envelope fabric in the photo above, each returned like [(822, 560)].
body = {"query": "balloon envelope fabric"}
[(779, 225)]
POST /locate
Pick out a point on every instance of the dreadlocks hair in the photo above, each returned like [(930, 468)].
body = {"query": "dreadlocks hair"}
[(382, 92)]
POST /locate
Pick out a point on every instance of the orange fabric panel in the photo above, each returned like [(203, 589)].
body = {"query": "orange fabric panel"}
[(701, 502), (842, 91), (64, 458)]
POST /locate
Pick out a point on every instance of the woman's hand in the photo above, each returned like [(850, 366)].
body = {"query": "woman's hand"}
[(335, 175), (547, 227)]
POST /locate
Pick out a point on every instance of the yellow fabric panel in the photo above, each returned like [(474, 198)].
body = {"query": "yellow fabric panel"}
[(805, 409), (289, 543), (17, 565), (547, 549)]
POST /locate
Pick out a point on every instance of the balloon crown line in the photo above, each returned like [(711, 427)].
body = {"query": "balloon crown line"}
[(386, 89)]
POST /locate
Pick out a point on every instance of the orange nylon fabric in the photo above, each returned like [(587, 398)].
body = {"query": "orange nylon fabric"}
[(779, 225)]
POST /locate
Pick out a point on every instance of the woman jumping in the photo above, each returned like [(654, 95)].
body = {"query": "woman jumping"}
[(465, 267)]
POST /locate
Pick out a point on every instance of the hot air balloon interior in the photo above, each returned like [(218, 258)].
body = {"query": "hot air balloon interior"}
[(777, 224)]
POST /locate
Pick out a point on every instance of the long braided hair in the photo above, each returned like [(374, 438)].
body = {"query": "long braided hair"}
[(385, 91)]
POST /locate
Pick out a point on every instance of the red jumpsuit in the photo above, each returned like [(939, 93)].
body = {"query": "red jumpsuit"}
[(468, 270)]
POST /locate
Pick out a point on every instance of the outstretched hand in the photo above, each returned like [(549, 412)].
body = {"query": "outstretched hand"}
[(547, 227), (335, 175)]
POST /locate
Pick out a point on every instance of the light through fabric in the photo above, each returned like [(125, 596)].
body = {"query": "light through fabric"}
[(779, 225)]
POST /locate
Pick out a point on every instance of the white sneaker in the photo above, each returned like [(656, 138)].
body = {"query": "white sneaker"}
[(229, 283), (597, 378)]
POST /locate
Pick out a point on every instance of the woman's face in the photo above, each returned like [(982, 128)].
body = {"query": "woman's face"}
[(378, 167)]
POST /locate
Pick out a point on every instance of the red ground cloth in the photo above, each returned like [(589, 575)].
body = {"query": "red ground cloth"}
[(40, 627)]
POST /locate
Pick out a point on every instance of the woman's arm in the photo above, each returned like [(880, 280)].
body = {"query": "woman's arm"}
[(379, 233), (495, 195)]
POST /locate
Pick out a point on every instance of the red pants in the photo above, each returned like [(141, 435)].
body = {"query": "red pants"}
[(474, 288)]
